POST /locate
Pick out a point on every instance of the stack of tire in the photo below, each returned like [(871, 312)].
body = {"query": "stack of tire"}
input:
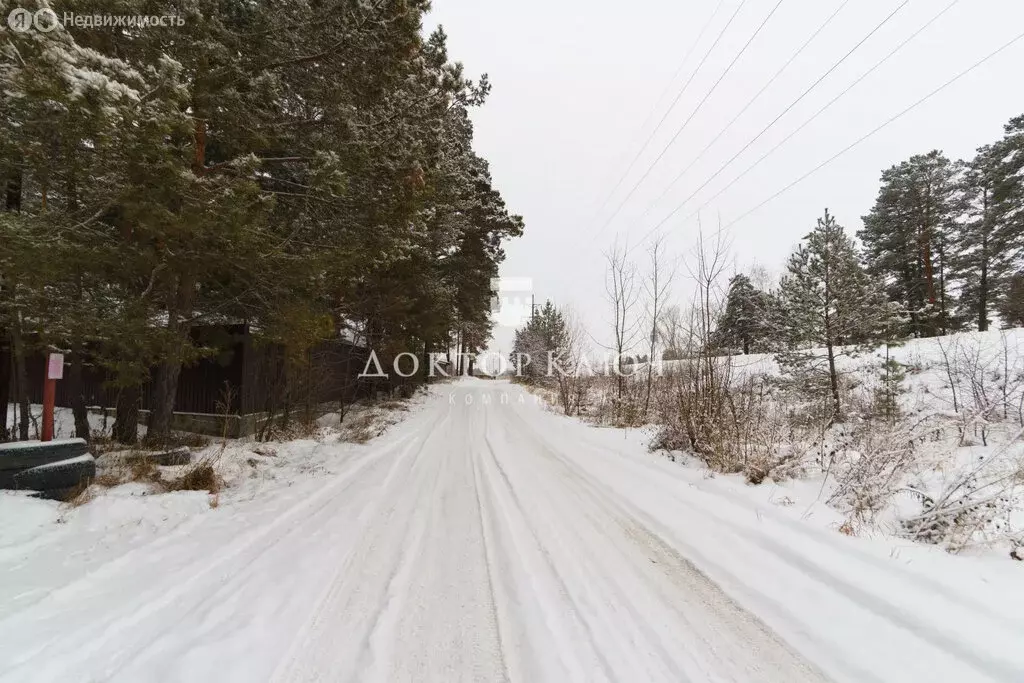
[(53, 469)]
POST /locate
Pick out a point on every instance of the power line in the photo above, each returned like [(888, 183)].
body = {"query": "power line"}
[(679, 70), (693, 114), (876, 130), (779, 117), (675, 101), (747, 105), (815, 115), (668, 86), (671, 107)]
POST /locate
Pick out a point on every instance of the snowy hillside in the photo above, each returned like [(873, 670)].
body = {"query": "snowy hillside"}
[(948, 468)]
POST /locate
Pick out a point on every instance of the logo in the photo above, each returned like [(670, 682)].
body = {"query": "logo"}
[(20, 20), (45, 20)]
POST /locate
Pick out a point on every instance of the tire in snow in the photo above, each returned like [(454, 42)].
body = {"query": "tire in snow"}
[(24, 455), (172, 458), (57, 476)]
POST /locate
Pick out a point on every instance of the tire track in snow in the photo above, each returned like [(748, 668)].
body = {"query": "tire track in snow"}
[(447, 629), (89, 640), (497, 598), (381, 636), (1005, 670), (734, 623), (148, 548), (660, 531), (815, 535), (308, 648), (175, 598), (657, 530), (551, 619), (587, 569)]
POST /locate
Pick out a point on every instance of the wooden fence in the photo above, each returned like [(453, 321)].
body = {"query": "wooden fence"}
[(253, 377)]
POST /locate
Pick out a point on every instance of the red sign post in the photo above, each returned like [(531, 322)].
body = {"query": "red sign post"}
[(54, 372)]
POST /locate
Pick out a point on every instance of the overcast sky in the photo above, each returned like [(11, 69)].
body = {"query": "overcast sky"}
[(578, 87)]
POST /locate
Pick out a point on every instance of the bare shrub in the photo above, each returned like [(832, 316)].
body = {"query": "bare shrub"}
[(572, 378), (101, 443), (109, 479), (118, 467), (142, 469), (733, 421), (179, 439), (366, 419), (134, 466), (656, 290), (974, 506), (200, 476), (984, 384), (734, 425), (694, 407), (360, 428), (80, 495), (619, 400), (870, 464)]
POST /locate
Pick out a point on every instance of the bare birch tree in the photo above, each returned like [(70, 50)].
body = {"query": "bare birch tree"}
[(671, 330), (623, 293), (656, 289), (702, 402), (572, 373)]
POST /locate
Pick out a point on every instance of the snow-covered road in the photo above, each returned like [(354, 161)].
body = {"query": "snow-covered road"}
[(487, 539)]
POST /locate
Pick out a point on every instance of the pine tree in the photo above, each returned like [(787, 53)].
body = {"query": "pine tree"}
[(906, 239), (830, 302), (1008, 194), (1011, 305), (304, 168), (981, 260), (544, 336), (891, 373), (891, 377), (989, 238), (746, 322), (80, 126)]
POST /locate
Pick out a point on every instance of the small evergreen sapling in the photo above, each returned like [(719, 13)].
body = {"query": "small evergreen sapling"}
[(830, 303)]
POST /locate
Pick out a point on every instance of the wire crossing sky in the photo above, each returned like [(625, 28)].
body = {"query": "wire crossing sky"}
[(573, 83)]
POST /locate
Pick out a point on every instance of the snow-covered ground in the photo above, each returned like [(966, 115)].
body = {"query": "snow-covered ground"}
[(961, 412), (63, 422), (486, 538)]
